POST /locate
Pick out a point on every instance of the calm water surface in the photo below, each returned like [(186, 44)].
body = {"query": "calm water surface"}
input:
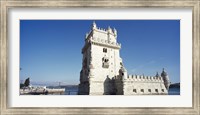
[(174, 91)]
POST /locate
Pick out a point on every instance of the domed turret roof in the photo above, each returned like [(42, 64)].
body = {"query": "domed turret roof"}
[(157, 75), (164, 73), (94, 25)]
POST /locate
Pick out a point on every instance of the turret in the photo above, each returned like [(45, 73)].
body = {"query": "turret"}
[(109, 30), (94, 26), (157, 75), (86, 35), (166, 79), (123, 73), (115, 32)]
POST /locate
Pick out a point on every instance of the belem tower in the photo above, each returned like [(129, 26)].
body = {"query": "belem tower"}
[(103, 72)]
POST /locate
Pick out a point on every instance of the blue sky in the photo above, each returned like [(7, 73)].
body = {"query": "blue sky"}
[(50, 50)]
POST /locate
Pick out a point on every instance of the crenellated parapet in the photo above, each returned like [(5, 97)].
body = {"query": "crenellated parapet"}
[(102, 30), (144, 78), (95, 29), (105, 42), (102, 37), (101, 42)]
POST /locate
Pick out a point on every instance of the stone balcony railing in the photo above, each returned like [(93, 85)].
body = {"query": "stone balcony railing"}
[(105, 42), (105, 65)]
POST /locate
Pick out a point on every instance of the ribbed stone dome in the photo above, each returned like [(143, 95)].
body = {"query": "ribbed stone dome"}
[(164, 73), (157, 75)]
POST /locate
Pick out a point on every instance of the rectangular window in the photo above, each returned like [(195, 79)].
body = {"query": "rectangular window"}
[(142, 90), (163, 90), (156, 90), (105, 50), (134, 90), (149, 90)]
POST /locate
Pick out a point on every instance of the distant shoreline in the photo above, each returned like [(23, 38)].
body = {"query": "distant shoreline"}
[(175, 85), (171, 85)]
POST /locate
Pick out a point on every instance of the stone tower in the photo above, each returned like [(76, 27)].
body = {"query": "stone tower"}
[(165, 79), (101, 62), (103, 72)]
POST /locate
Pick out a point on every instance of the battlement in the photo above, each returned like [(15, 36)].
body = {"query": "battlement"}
[(106, 31), (103, 31), (144, 78), (106, 34), (99, 40)]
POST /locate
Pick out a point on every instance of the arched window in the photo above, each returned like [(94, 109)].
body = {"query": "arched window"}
[(105, 62)]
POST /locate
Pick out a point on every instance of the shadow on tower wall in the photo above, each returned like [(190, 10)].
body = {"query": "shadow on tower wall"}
[(109, 87)]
